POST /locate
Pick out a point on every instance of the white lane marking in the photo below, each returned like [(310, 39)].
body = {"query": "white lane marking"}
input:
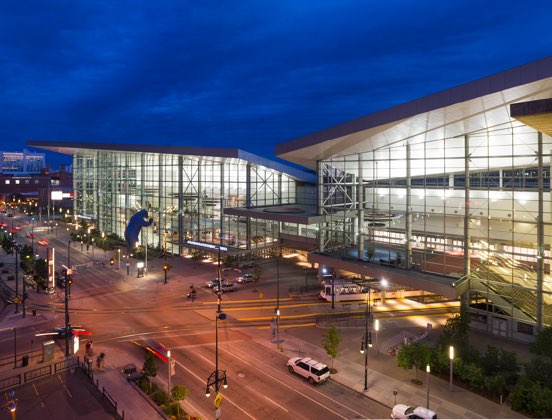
[(275, 403), (235, 404), (311, 389)]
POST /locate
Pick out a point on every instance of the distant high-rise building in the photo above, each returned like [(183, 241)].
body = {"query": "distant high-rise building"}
[(25, 162)]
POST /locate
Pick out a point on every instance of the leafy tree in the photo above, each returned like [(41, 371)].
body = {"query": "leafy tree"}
[(149, 370), (257, 272), (498, 362), (178, 393), (539, 370), (532, 398), (414, 355), (370, 252), (330, 342), (456, 334), (542, 346), (40, 271)]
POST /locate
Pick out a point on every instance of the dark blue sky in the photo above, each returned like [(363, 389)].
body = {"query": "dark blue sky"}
[(246, 73)]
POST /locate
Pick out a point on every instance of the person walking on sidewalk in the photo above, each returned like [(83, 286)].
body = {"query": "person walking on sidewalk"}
[(34, 313)]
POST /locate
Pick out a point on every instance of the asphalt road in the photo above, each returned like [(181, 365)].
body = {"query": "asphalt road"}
[(120, 310)]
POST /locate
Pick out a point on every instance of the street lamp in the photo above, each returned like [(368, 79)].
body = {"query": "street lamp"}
[(169, 374), (376, 327), (428, 370), (218, 376), (366, 340), (451, 357)]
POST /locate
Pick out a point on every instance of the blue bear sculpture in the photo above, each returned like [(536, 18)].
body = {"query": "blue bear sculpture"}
[(134, 226)]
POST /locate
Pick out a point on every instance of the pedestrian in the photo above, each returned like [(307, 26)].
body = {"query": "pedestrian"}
[(88, 346), (34, 313), (98, 362), (102, 359)]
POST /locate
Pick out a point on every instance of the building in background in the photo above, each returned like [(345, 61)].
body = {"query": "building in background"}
[(448, 194), (22, 163), (186, 190)]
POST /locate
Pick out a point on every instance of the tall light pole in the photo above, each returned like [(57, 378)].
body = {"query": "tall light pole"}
[(217, 376), (366, 341), (16, 277), (451, 357), (376, 327), (277, 310), (428, 370), (169, 374), (67, 298)]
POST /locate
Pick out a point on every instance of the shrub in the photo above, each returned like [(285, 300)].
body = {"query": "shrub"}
[(160, 397)]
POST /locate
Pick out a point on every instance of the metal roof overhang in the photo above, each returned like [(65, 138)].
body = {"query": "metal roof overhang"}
[(536, 114), (443, 286), (465, 109), (70, 148), (306, 218)]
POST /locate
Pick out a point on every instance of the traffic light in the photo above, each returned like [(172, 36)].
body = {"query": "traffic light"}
[(112, 261), (70, 281)]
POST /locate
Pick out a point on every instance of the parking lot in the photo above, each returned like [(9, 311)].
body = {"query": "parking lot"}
[(68, 394)]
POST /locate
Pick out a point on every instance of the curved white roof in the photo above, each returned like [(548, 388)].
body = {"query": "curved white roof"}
[(461, 110)]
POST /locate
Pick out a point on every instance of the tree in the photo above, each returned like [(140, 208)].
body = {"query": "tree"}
[(149, 369), (330, 342), (370, 252), (41, 272), (257, 272), (178, 393), (414, 355), (542, 346)]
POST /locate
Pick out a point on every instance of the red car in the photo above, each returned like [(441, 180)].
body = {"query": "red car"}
[(10, 214), (30, 235), (17, 227)]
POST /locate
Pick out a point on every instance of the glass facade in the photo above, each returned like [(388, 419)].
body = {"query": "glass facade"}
[(475, 207), (184, 194)]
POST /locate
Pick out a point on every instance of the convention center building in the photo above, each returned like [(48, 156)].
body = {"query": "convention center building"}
[(450, 194)]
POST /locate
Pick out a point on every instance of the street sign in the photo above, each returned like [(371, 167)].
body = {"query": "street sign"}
[(217, 413), (218, 401)]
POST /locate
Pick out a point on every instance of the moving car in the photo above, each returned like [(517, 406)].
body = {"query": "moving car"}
[(245, 278), (226, 287), (212, 283), (403, 411), (10, 214), (314, 371), (43, 242)]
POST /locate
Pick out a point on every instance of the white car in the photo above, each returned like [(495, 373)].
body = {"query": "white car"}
[(226, 287), (314, 371), (403, 411), (245, 278)]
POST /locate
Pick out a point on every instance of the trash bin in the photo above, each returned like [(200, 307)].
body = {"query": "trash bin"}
[(25, 360)]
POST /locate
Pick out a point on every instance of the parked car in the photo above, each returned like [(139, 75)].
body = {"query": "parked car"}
[(131, 373), (10, 214), (314, 371), (226, 287), (403, 411), (245, 278)]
